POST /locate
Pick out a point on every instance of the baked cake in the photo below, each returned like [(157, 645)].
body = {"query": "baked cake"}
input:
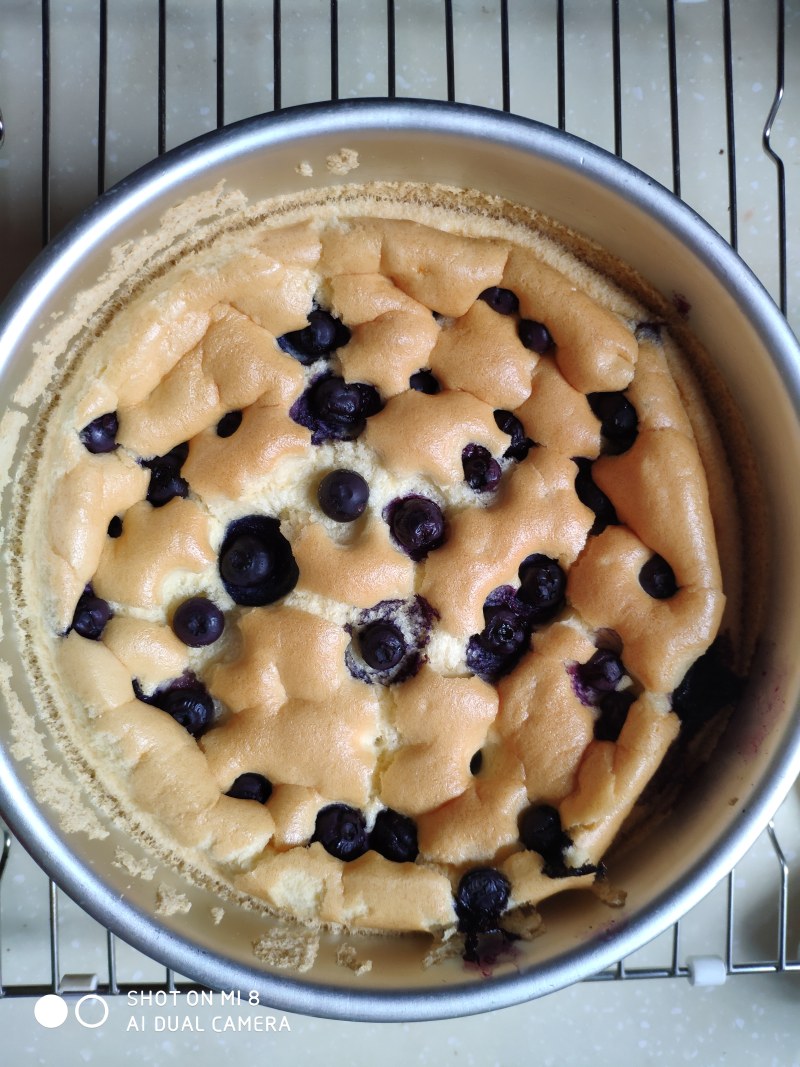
[(374, 563)]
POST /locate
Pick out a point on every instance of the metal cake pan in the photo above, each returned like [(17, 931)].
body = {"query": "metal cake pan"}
[(757, 759)]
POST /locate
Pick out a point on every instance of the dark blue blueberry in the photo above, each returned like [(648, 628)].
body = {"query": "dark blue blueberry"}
[(382, 631), (648, 331), (498, 648), (343, 495), (191, 707), (198, 622), (540, 831), (599, 675), (535, 336), (341, 831), (708, 686), (593, 497), (323, 335), (256, 562), (658, 579), (165, 479), (424, 382), (394, 836), (476, 763), (115, 527), (510, 424), (91, 615), (503, 301), (614, 708), (100, 434), (229, 424), (542, 586), (619, 423), (251, 786), (481, 898), (481, 471), (417, 524), (382, 645), (335, 410)]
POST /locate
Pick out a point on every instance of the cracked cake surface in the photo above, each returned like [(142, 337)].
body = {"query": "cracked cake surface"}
[(374, 547)]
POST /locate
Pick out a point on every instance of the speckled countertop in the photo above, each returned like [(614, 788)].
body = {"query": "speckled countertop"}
[(752, 1018)]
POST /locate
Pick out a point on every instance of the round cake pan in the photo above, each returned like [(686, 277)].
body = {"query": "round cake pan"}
[(758, 757)]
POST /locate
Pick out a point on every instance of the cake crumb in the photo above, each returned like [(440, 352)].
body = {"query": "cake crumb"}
[(524, 922), (609, 894), (217, 914), (170, 902), (343, 161), (447, 946), (304, 169), (348, 957), (138, 868), (288, 951)]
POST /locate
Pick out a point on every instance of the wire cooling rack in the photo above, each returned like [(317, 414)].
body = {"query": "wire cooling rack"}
[(694, 92)]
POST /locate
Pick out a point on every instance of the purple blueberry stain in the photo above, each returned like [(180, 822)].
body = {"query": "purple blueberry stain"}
[(256, 563)]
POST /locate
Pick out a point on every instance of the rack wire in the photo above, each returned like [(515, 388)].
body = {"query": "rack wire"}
[(556, 22)]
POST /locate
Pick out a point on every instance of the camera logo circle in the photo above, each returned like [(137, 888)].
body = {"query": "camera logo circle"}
[(89, 1023)]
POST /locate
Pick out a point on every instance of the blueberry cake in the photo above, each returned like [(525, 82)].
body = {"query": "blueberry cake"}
[(376, 569)]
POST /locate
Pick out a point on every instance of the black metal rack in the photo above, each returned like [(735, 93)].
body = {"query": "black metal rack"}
[(513, 22)]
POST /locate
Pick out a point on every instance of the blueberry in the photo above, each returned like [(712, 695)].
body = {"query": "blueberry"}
[(614, 708), (619, 423), (648, 331), (600, 674), (424, 382), (658, 579), (319, 338), (197, 622), (476, 763), (503, 301), (343, 495), (593, 497), (540, 831), (382, 645), (256, 562), (165, 479), (335, 410), (251, 786), (481, 472), (481, 899), (417, 524), (229, 424), (394, 836), (191, 707), (535, 336), (510, 424), (505, 632), (708, 686), (91, 615), (542, 586), (341, 831), (115, 527), (100, 434)]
